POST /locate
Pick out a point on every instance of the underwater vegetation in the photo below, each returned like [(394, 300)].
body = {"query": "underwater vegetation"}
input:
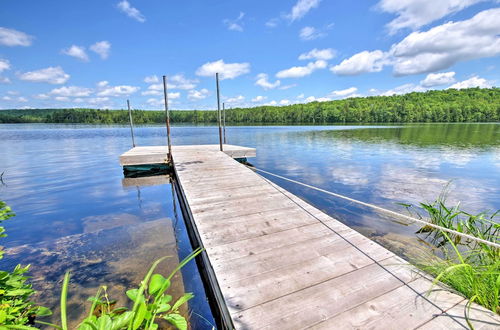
[(153, 307)]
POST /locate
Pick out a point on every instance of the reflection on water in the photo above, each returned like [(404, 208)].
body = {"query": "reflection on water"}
[(76, 211), (426, 135)]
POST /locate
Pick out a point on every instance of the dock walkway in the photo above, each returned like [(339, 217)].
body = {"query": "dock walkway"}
[(281, 263)]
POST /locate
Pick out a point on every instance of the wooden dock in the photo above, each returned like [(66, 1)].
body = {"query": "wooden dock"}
[(280, 263)]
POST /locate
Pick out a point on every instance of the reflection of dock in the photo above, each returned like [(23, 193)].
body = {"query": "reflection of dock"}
[(276, 262)]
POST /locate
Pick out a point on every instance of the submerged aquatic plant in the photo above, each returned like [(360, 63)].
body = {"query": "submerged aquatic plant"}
[(152, 303), (470, 267)]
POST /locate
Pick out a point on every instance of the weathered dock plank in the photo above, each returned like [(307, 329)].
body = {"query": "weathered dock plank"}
[(281, 263)]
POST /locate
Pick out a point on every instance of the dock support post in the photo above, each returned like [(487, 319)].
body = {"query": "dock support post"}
[(131, 123), (218, 111), (167, 118), (224, 121)]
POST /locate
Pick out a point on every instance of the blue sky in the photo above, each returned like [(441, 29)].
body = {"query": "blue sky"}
[(98, 53)]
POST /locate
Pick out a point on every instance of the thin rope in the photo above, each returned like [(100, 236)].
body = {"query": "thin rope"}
[(381, 209)]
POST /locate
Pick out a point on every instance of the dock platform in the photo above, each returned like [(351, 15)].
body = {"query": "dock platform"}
[(281, 263)]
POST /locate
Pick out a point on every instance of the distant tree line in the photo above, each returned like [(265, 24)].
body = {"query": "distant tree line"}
[(451, 105)]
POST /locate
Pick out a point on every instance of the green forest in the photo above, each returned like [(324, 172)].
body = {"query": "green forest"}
[(451, 105)]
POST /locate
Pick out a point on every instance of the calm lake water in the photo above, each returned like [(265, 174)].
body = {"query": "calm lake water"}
[(75, 212)]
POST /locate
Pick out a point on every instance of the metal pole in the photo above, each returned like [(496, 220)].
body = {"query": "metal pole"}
[(224, 120), (218, 110), (167, 118), (131, 123)]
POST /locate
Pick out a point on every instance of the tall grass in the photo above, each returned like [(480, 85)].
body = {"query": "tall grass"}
[(468, 266)]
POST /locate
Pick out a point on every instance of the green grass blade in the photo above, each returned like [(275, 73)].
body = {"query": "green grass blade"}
[(64, 298)]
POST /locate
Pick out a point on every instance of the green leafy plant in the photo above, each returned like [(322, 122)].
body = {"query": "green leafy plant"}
[(15, 293), (5, 213)]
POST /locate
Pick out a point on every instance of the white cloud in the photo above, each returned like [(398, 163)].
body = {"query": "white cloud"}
[(71, 91), (98, 100), (301, 8), (131, 12), (414, 14), (102, 48), (225, 70), (4, 80), (22, 99), (273, 22), (61, 98), (259, 98), (156, 87), (198, 95), (444, 45), (13, 92), (178, 81), (310, 33), (344, 92), (438, 79), (235, 24), (51, 75), (4, 65), (403, 89), (317, 99), (362, 62), (287, 86), (237, 99), (7, 98), (318, 54), (302, 71), (155, 102), (263, 81), (161, 102), (42, 96), (77, 52), (173, 95), (152, 79), (11, 37), (121, 90), (102, 84), (472, 82), (151, 92), (285, 102)]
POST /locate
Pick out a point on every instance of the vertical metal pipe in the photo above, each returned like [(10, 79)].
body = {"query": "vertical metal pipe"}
[(218, 111), (131, 123), (224, 120), (167, 118)]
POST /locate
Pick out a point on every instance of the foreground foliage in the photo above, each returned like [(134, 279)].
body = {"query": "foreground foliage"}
[(468, 266), (15, 293), (451, 105)]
